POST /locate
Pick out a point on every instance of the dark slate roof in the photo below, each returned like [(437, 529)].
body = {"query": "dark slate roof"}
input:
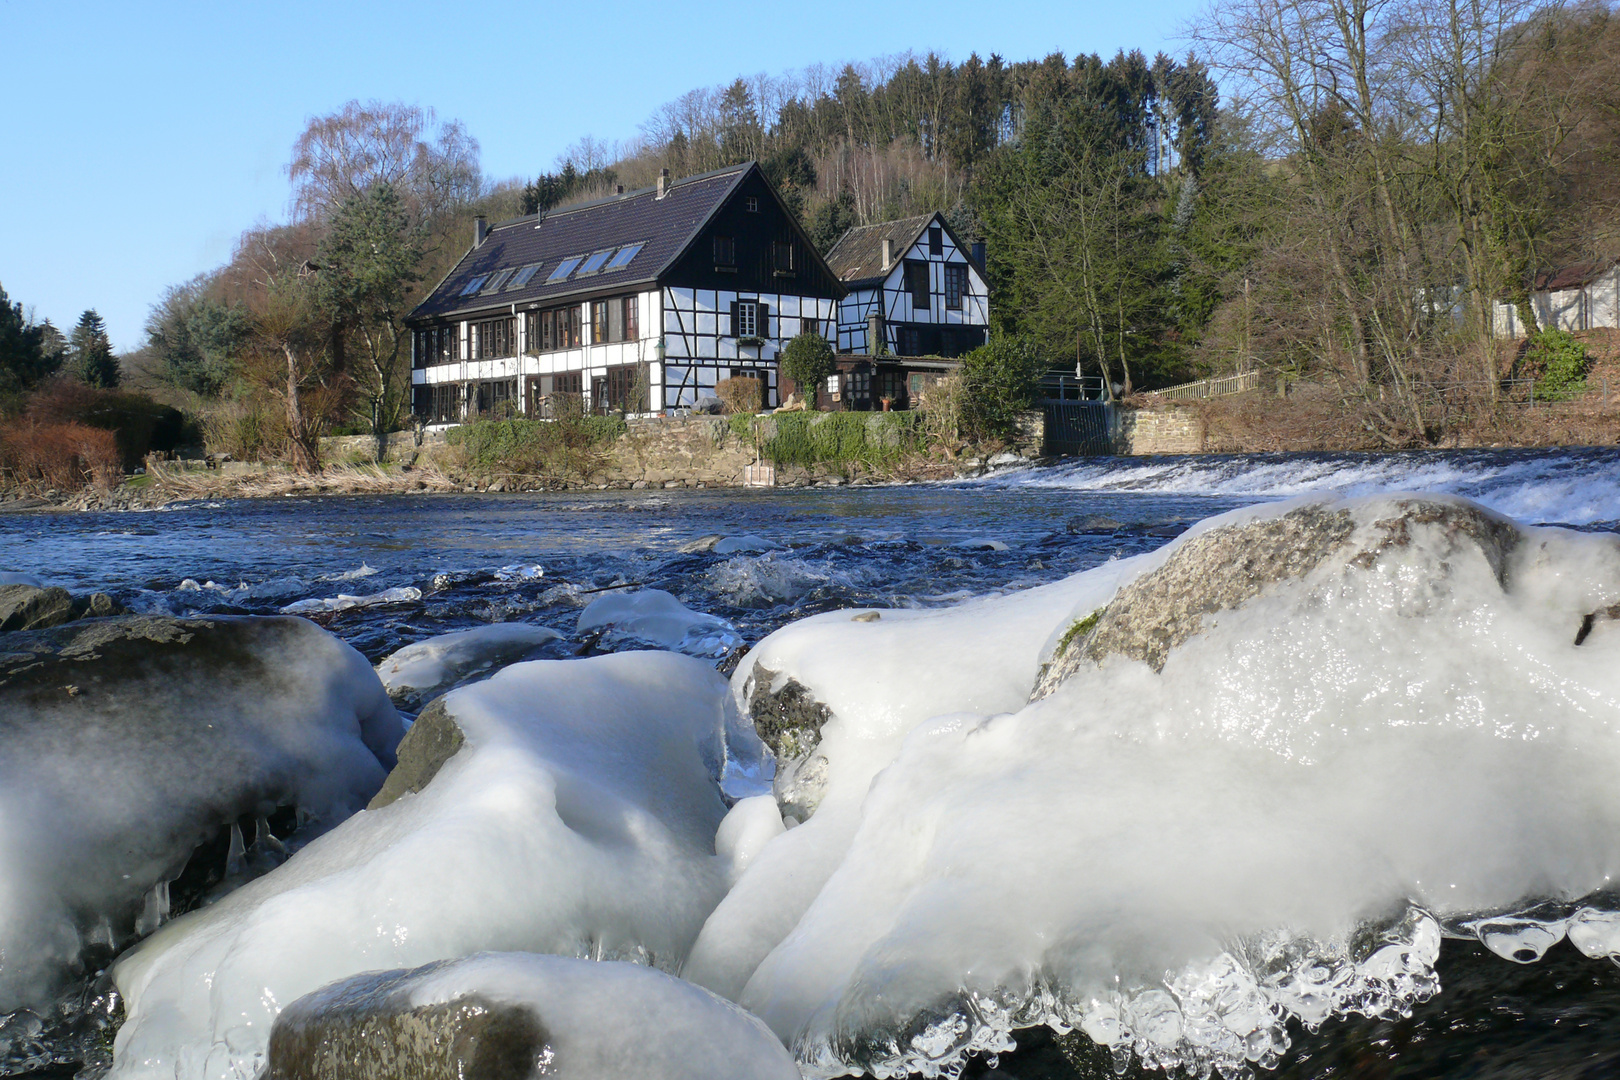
[(666, 226), (857, 258), (1570, 277)]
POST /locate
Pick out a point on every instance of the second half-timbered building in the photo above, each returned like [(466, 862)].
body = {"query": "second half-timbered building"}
[(912, 284), (639, 302)]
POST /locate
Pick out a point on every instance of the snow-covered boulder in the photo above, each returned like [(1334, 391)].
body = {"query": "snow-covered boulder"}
[(418, 672), (654, 617), (577, 817), (1275, 810), (124, 743), (507, 1016)]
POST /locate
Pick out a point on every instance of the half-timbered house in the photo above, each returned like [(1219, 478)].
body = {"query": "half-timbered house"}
[(914, 286), (640, 302)]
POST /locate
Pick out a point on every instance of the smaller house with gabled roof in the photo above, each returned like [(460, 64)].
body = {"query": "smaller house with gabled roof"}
[(642, 301), (913, 286), (1583, 296)]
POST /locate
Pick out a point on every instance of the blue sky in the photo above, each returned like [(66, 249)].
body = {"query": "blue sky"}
[(141, 139)]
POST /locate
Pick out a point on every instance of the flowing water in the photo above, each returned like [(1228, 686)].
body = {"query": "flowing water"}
[(385, 571)]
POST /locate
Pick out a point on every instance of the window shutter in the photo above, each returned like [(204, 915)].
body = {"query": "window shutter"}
[(764, 321), (731, 331)]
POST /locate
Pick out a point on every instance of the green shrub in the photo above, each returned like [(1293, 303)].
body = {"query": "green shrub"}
[(568, 447), (1563, 363), (742, 425), (807, 360), (999, 381), (811, 438)]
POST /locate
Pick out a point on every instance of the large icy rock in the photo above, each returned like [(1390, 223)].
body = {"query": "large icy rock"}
[(837, 695), (1267, 802), (124, 743), (576, 817), (418, 672), (509, 1016)]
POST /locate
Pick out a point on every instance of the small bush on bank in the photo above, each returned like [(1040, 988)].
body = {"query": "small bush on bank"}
[(807, 438), (66, 457), (998, 382), (139, 424), (572, 446), (1563, 362), (739, 395)]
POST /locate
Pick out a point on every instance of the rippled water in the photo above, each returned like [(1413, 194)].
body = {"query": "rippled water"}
[(424, 565)]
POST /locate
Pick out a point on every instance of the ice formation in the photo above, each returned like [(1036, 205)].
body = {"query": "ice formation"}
[(578, 818), (403, 594), (576, 1019), (422, 669), (8, 577), (654, 617), (1321, 781), (124, 743)]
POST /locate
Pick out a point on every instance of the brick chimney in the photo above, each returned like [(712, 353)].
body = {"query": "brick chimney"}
[(888, 253), (663, 182), (480, 230)]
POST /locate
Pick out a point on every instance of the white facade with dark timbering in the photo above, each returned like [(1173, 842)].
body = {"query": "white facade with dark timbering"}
[(927, 291), (641, 302)]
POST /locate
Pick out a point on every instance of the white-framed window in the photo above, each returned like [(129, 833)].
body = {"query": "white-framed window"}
[(747, 318), (751, 204)]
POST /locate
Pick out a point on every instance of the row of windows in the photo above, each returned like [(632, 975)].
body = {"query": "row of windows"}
[(597, 262), (783, 261), (614, 320)]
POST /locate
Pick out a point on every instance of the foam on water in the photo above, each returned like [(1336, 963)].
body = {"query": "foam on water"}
[(1576, 487)]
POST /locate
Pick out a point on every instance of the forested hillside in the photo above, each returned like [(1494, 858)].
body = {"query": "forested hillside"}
[(1327, 190)]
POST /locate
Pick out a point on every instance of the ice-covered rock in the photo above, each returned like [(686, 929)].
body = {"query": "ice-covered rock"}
[(508, 1016), (1265, 803), (11, 577), (425, 668), (25, 606), (721, 544), (837, 694), (577, 817), (654, 617), (124, 743)]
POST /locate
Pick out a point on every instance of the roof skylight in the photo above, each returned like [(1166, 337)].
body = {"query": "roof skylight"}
[(564, 268), (625, 254), (521, 278), (474, 285), (497, 281), (595, 262)]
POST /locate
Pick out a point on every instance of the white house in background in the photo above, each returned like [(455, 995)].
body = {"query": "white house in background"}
[(915, 284), (641, 301), (1585, 296)]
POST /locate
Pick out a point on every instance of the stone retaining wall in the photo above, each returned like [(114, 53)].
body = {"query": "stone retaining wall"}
[(1161, 431)]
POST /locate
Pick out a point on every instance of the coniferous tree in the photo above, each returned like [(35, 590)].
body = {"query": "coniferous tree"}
[(23, 359), (90, 354)]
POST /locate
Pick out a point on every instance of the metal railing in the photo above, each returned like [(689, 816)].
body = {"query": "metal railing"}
[(1208, 388)]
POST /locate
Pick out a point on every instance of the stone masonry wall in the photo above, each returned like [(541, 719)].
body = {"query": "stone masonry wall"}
[(1161, 431)]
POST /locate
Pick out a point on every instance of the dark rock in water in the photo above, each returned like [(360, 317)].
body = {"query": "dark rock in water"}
[(125, 743), (365, 1028), (789, 721), (1225, 568), (432, 741), (516, 1016), (1093, 525), (27, 607)]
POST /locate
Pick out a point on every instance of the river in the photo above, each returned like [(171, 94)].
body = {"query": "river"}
[(385, 571)]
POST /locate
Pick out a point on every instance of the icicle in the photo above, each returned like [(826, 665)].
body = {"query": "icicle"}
[(236, 857)]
